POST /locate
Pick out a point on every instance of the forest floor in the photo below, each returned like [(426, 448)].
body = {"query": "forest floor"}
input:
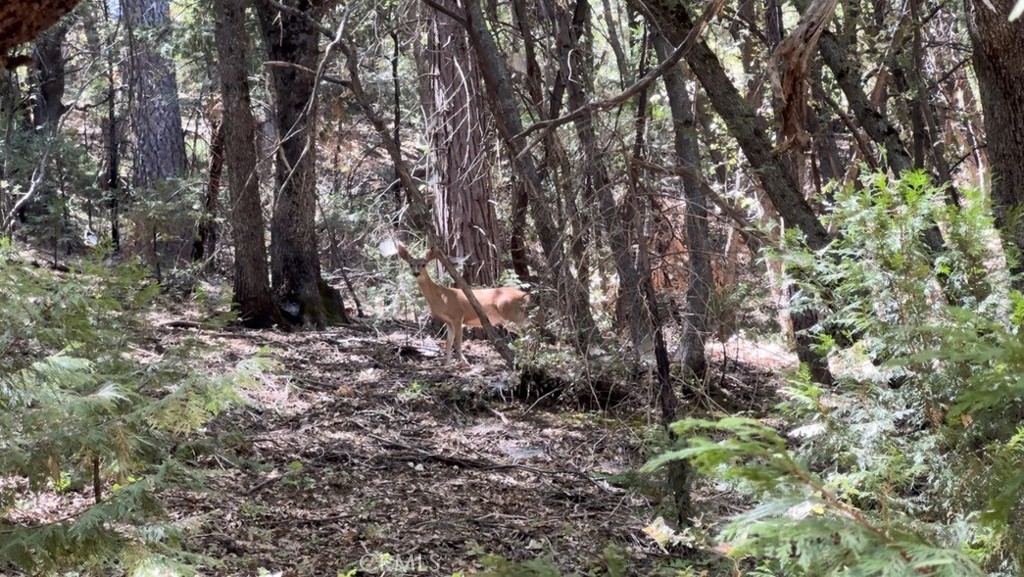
[(363, 454)]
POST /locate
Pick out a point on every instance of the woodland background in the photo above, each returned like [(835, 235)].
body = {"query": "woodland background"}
[(197, 196)]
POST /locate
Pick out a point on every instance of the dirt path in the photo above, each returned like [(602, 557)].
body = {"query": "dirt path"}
[(363, 453)]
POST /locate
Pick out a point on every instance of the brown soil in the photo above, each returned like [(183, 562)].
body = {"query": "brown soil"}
[(361, 453), (366, 451)]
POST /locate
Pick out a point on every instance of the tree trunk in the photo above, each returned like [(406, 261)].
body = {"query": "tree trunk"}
[(47, 107), (205, 243), (456, 123), (155, 115), (698, 283), (111, 125), (155, 111), (251, 283), (303, 296), (520, 194), (998, 54)]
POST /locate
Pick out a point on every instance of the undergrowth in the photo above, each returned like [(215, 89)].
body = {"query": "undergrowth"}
[(91, 421), (908, 465), (913, 462)]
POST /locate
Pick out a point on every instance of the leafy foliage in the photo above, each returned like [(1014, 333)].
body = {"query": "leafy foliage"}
[(804, 525), (912, 464), (80, 405)]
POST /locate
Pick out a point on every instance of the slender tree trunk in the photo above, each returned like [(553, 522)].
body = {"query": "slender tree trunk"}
[(679, 474), (205, 243), (845, 69), (699, 278), (251, 282), (111, 137), (746, 127), (829, 164), (46, 108), (517, 232), (847, 74), (526, 25)]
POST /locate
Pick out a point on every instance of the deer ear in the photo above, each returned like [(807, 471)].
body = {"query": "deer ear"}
[(431, 255), (404, 254)]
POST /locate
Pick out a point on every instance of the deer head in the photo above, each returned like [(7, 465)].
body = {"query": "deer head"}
[(417, 265)]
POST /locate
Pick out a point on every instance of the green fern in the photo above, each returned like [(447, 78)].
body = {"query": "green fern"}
[(912, 463), (78, 408)]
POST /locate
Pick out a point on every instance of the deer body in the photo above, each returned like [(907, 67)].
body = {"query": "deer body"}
[(450, 306)]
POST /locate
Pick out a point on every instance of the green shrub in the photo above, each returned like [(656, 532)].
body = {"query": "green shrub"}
[(911, 464), (83, 407)]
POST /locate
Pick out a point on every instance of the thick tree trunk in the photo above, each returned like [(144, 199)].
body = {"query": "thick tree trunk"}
[(47, 107), (251, 283), (155, 111), (155, 115), (456, 122), (998, 53), (303, 296)]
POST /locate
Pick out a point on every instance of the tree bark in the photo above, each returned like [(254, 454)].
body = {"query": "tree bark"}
[(111, 125), (698, 273), (155, 110), (251, 282), (205, 243), (304, 297), (48, 106), (456, 123), (998, 55)]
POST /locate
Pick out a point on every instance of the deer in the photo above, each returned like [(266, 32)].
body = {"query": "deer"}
[(450, 306)]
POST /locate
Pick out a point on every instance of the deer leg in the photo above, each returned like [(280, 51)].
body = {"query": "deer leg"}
[(449, 337), (458, 343)]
